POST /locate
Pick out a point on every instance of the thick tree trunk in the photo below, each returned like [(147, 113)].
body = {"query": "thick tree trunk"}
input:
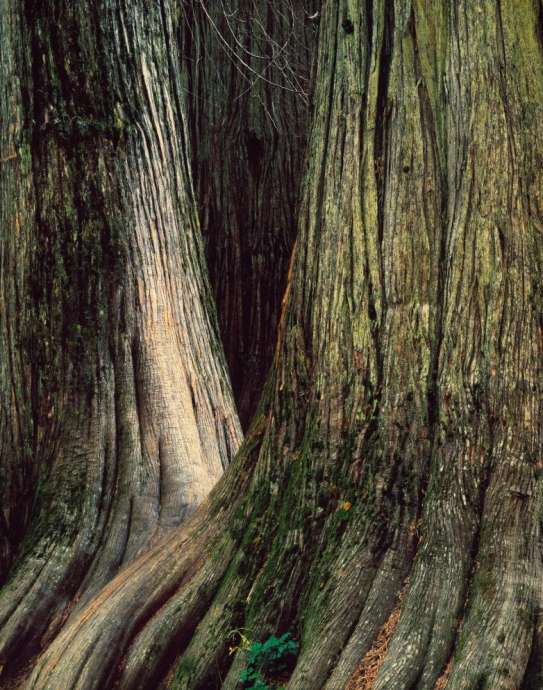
[(388, 493), (107, 317), (249, 87)]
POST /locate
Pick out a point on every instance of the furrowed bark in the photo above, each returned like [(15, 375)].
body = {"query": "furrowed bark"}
[(482, 517), (133, 418), (394, 460)]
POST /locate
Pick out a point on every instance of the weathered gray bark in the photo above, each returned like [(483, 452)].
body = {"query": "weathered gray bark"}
[(116, 404), (395, 460), (249, 88)]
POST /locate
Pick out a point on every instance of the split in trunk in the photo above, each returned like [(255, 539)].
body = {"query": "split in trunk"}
[(249, 88)]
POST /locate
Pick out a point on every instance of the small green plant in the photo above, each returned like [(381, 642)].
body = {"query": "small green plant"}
[(268, 661)]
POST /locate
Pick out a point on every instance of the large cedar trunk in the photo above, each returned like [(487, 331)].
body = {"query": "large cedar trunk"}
[(386, 501), (117, 413)]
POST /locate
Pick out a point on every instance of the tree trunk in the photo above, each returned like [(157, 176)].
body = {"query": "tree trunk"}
[(387, 497), (249, 90), (116, 404)]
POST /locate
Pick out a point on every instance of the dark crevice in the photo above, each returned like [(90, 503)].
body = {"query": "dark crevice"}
[(533, 675), (539, 26), (381, 134), (369, 27), (383, 118)]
